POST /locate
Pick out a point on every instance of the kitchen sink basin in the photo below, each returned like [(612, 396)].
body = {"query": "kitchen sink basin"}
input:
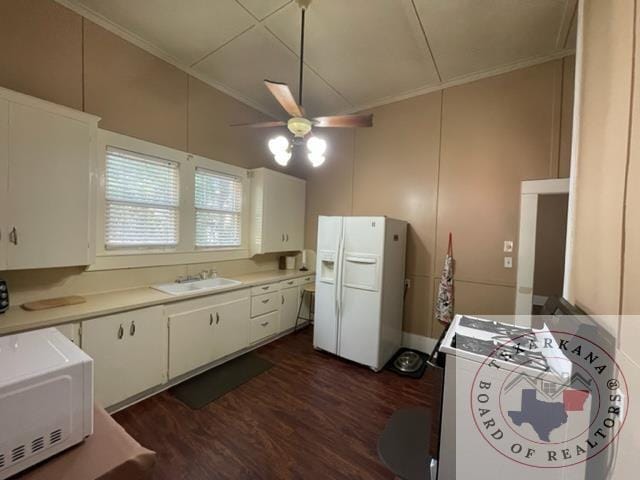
[(185, 288)]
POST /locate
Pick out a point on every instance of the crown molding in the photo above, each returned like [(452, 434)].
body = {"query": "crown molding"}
[(131, 37), (462, 80)]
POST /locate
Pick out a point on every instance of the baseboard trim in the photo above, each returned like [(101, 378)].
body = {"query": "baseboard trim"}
[(418, 342)]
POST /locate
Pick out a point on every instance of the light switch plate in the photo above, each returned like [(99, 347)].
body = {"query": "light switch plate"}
[(508, 246), (508, 262)]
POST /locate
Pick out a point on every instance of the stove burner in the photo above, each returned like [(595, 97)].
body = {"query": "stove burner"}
[(505, 350)]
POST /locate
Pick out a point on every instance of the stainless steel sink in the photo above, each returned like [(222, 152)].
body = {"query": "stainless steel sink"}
[(195, 286)]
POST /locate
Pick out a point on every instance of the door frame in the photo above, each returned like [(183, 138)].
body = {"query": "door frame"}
[(530, 191)]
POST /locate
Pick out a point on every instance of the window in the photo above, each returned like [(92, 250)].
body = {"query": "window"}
[(218, 203), (142, 203)]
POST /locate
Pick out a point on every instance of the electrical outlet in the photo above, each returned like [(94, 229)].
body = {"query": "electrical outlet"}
[(508, 262), (407, 283), (508, 246)]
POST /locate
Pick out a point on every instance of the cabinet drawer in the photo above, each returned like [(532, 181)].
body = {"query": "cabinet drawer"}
[(259, 290), (289, 283), (307, 279), (264, 326), (266, 303)]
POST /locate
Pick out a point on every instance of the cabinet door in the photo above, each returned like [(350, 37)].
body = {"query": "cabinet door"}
[(191, 340), (49, 189), (4, 172), (231, 332), (275, 212), (288, 308), (129, 351), (295, 201)]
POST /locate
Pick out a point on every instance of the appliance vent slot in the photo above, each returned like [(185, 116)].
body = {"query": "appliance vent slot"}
[(1, 460), (37, 445), (17, 454), (55, 436)]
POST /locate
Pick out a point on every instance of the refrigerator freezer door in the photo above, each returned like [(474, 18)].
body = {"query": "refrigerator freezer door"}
[(359, 292), (325, 325)]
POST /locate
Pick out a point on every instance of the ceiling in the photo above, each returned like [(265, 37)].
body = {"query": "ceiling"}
[(358, 53)]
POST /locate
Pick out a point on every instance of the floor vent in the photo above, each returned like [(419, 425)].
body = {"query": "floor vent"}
[(55, 436), (17, 454), (37, 445)]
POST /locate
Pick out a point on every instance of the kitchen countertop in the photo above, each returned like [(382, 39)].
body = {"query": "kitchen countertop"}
[(17, 319)]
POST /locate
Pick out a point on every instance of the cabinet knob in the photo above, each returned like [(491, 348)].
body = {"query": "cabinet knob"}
[(132, 329), (120, 332)]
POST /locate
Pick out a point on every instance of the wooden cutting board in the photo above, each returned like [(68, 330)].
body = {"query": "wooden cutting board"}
[(53, 303)]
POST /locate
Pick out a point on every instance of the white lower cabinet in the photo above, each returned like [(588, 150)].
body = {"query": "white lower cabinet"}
[(288, 308), (129, 351), (204, 330), (71, 331)]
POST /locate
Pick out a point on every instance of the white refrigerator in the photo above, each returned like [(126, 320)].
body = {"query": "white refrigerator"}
[(360, 288)]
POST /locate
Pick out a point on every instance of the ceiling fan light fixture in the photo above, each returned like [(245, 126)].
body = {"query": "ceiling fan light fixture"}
[(316, 159), (282, 158), (316, 145), (278, 145), (299, 126)]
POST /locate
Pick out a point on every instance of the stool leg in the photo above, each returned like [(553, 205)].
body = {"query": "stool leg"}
[(295, 327)]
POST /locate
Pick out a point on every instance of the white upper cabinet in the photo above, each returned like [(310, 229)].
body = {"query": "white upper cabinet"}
[(277, 212), (46, 161)]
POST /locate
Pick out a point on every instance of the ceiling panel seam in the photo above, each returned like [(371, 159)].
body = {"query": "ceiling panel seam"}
[(207, 55), (260, 20), (306, 64), (426, 40), (574, 12)]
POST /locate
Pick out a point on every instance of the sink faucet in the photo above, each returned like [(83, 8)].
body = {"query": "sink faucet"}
[(188, 278)]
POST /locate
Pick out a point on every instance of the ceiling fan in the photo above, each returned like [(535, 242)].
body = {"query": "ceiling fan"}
[(298, 124)]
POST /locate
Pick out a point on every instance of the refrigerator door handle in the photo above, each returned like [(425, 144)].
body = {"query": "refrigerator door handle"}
[(336, 278)]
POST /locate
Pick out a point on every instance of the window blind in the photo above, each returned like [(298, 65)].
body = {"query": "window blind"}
[(218, 203), (141, 200)]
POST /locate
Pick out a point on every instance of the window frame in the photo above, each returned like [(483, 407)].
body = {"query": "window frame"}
[(185, 252), (177, 209), (240, 213)]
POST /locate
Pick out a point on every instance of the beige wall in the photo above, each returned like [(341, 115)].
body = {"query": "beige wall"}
[(551, 238), (52, 53), (452, 161)]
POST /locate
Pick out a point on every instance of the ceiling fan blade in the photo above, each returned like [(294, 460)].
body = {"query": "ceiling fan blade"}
[(275, 123), (344, 121), (285, 98)]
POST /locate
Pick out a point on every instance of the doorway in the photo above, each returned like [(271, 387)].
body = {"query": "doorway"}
[(542, 239)]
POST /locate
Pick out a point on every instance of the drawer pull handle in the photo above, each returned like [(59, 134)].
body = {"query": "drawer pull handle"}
[(120, 332), (13, 236), (264, 324), (211, 319), (290, 283), (266, 288), (217, 318), (266, 300), (282, 302), (132, 329)]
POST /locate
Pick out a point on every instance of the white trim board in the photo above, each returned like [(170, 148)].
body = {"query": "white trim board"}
[(418, 342)]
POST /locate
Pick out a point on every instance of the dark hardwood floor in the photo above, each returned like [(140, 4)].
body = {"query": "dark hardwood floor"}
[(310, 416)]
